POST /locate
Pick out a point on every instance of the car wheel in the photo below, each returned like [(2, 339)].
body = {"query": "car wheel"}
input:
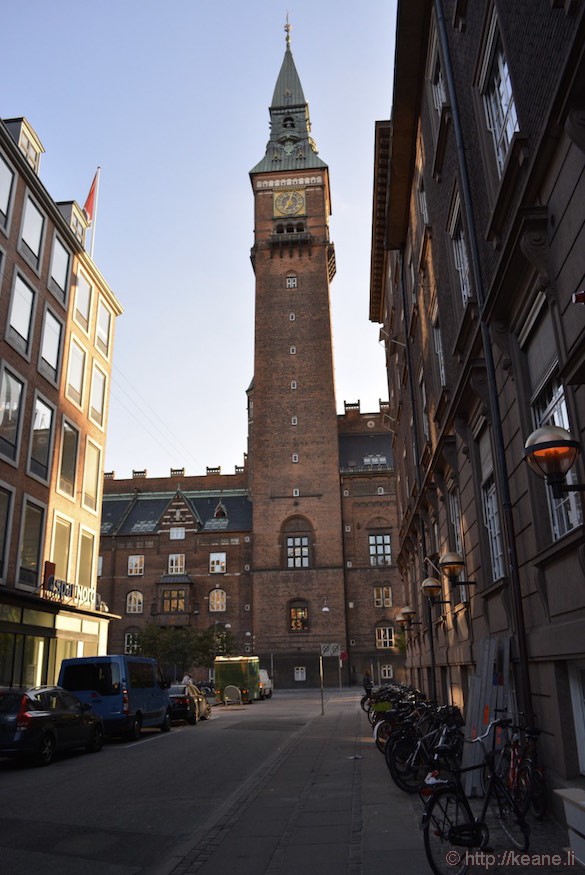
[(96, 741), (192, 719), (134, 732), (46, 751), (269, 694), (166, 724)]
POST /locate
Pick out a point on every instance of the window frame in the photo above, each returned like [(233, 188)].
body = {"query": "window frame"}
[(4, 369), (67, 423), (30, 501), (135, 565), (6, 529), (62, 294), (374, 553), (60, 519), (93, 504), (44, 366), (32, 258), (42, 478), (97, 417), (176, 563), (497, 97), (217, 563), (298, 623), (459, 253), (22, 343), (71, 391), (134, 602), (79, 316), (383, 596), (85, 532), (5, 217), (101, 345), (217, 601), (171, 600), (384, 637)]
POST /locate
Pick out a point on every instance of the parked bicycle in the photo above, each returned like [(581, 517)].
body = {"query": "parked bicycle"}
[(517, 763), (450, 827)]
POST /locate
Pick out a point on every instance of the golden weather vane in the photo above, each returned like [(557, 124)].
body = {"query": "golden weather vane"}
[(288, 28)]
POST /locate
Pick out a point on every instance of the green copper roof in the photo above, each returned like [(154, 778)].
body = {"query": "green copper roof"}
[(290, 146)]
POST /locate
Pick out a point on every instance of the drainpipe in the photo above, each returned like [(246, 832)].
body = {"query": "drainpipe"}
[(417, 470), (501, 468)]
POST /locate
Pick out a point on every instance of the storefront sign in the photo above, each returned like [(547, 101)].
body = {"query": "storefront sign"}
[(68, 593)]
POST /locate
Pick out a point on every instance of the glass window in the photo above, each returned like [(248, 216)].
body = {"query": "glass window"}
[(299, 617), (177, 563), (51, 346), (6, 181), (438, 344), (11, 398), (384, 637), (98, 396), (82, 301), (380, 549), (438, 85), (131, 642), (177, 533), (104, 319), (491, 515), (5, 506), (85, 562), (460, 257), (91, 476), (30, 544), (32, 232), (173, 601), (297, 551), (291, 282), (59, 269), (76, 373), (134, 602), (21, 313), (386, 672), (68, 467), (217, 600), (61, 548), (499, 105), (550, 408), (382, 597), (217, 563), (135, 566), (41, 439)]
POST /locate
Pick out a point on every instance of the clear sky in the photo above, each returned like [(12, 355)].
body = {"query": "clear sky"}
[(171, 100)]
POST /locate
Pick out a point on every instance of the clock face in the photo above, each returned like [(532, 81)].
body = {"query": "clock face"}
[(289, 203)]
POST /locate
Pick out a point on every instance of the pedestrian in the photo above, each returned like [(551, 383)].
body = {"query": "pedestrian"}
[(187, 679), (367, 683)]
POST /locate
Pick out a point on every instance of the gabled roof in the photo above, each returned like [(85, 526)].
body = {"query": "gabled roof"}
[(237, 507)]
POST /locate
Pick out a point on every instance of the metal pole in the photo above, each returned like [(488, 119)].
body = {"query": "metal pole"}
[(432, 652), (321, 681), (339, 666)]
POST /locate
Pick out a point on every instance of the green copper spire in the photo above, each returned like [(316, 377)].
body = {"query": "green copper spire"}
[(290, 146)]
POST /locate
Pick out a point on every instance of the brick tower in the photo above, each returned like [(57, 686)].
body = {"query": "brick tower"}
[(293, 440)]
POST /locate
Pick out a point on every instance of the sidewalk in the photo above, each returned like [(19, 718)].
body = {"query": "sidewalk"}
[(326, 803)]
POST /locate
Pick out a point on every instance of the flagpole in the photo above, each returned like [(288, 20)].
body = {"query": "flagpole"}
[(94, 222)]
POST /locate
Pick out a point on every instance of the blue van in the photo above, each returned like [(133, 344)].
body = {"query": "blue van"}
[(128, 692)]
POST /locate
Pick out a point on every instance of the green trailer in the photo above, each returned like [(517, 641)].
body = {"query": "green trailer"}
[(242, 672)]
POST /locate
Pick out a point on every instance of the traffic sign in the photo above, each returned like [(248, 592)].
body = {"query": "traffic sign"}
[(344, 655), (330, 649)]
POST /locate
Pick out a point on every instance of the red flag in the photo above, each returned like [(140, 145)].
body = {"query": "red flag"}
[(89, 206)]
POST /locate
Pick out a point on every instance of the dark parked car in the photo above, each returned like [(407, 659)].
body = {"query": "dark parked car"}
[(188, 703), (38, 722)]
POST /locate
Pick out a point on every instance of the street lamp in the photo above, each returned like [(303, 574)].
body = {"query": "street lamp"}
[(551, 452)]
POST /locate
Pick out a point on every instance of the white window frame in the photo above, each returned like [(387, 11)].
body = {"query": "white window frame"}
[(383, 596), (459, 248), (131, 642), (177, 533), (438, 346), (44, 478), (98, 414), (60, 291), (85, 533), (73, 428), (19, 411), (18, 334), (135, 602), (103, 340), (386, 672), (217, 563), (75, 392), (81, 317), (51, 322), (497, 95), (384, 637), (491, 519), (66, 522), (92, 488), (291, 282), (176, 563), (7, 187), (136, 565), (32, 255)]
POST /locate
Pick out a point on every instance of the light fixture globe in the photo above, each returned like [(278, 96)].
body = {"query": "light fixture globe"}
[(431, 587), (407, 613), (452, 564), (551, 451)]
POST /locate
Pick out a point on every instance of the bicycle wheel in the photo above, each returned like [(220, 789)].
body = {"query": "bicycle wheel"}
[(364, 702), (505, 814), (539, 796), (382, 732), (445, 810), (407, 765), (524, 788)]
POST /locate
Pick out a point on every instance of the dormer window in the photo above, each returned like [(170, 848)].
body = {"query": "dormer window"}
[(27, 141), (220, 512)]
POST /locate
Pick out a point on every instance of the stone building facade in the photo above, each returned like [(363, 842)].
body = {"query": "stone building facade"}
[(478, 242)]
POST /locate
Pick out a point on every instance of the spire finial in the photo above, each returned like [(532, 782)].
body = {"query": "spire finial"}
[(287, 28)]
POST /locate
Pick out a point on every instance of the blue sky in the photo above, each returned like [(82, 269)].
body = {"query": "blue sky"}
[(171, 100)]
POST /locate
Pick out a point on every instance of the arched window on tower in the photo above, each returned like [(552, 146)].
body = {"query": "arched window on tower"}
[(291, 281), (288, 123), (297, 540)]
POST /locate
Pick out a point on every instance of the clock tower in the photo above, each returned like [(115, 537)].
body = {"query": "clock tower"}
[(293, 453)]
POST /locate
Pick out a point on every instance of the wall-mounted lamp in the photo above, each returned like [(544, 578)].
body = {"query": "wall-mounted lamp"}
[(432, 589), (325, 608), (551, 452), (405, 617)]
